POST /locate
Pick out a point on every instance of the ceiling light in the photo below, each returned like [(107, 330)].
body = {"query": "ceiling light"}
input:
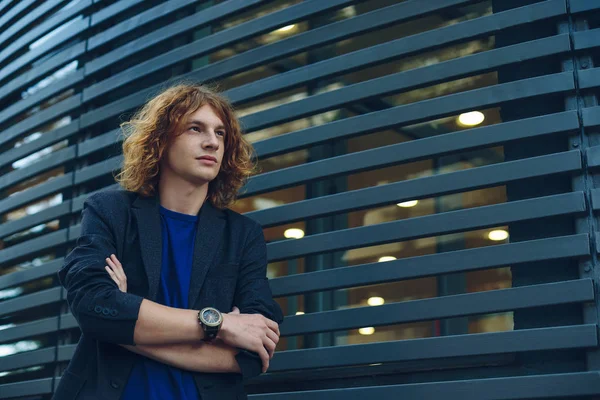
[(367, 331), (299, 312), (375, 301), (294, 233), (471, 118), (285, 28), (386, 258), (407, 204), (498, 234)]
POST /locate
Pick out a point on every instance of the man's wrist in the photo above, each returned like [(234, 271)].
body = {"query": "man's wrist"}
[(197, 328), (223, 328)]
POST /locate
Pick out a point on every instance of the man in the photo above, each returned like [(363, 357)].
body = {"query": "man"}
[(159, 265)]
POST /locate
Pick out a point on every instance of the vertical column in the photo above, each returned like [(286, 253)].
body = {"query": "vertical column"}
[(585, 181)]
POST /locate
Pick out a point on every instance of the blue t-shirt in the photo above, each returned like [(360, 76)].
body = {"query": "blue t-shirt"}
[(150, 379)]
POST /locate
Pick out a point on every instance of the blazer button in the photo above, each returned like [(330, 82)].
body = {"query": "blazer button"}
[(98, 309), (105, 311), (114, 385), (114, 313)]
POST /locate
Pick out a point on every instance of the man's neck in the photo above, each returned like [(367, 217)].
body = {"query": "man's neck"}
[(181, 196)]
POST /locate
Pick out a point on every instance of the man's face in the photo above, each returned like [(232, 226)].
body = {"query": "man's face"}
[(197, 153)]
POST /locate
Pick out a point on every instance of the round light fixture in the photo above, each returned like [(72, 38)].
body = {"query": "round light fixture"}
[(375, 301), (386, 258), (498, 235), (407, 204), (293, 233), (367, 331), (471, 118)]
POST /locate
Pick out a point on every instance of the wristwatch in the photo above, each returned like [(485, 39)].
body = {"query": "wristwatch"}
[(210, 319)]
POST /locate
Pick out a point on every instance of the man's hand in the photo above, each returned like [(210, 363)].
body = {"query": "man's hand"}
[(252, 332), (116, 272)]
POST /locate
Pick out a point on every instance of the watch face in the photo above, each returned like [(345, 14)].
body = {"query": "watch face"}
[(211, 317)]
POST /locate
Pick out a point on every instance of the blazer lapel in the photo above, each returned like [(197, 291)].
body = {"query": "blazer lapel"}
[(209, 232), (147, 215)]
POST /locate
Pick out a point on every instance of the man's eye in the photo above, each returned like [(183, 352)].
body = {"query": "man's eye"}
[(221, 133), (195, 128)]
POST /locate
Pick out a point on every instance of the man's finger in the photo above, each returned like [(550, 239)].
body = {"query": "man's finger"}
[(112, 274), (235, 310), (264, 356), (273, 336), (270, 346), (272, 325)]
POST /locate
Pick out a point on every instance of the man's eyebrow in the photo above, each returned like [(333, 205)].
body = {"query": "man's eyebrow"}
[(198, 122)]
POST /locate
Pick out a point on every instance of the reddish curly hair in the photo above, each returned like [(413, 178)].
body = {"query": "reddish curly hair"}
[(150, 130)]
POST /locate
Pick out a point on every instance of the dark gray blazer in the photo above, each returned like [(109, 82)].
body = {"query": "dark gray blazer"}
[(229, 268)]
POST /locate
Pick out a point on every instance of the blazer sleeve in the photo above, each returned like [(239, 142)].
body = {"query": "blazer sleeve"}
[(253, 294), (101, 309)]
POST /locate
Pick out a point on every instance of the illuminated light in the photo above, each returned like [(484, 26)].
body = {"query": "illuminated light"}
[(285, 28), (375, 301), (367, 331), (471, 118), (299, 312), (294, 233), (407, 204), (497, 235), (386, 258)]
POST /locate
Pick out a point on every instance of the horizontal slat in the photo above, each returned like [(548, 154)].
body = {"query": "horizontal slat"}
[(408, 80), (33, 246), (589, 78), (28, 359), (58, 19), (40, 327), (413, 189), (595, 199), (555, 338), (141, 19), (592, 155), (43, 164), (586, 39), (113, 10), (430, 225), (493, 301), (23, 80), (31, 19), (27, 388), (29, 329), (417, 112), (202, 46), (99, 142), (20, 277), (65, 35), (98, 169), (51, 113), (591, 116), (513, 388), (46, 140), (25, 302), (44, 94), (32, 220), (578, 6), (13, 12), (433, 264), (35, 193)]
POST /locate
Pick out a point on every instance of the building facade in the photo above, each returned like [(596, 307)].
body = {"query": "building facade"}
[(428, 181)]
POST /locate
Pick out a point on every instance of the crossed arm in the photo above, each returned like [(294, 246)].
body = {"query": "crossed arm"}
[(199, 357)]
